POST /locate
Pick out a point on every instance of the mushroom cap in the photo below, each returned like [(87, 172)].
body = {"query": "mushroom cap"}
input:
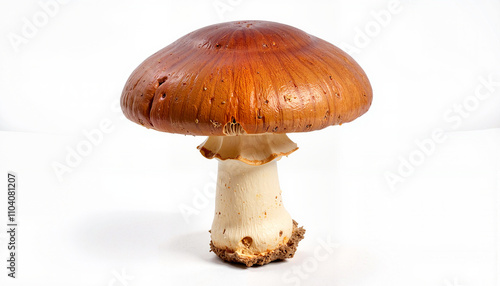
[(246, 77)]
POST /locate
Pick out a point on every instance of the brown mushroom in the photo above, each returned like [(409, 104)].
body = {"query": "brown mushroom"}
[(245, 85)]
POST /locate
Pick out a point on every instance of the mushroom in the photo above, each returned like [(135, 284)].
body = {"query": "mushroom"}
[(245, 85)]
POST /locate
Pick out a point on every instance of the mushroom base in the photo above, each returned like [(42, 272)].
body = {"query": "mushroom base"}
[(282, 252)]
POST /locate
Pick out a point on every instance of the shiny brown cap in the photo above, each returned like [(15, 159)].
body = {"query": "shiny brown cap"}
[(246, 77)]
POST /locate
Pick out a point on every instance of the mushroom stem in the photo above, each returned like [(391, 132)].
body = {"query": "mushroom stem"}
[(250, 219)]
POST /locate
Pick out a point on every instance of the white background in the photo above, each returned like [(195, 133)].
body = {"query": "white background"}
[(116, 216)]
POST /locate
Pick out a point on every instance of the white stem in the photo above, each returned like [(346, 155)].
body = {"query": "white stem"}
[(249, 215)]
